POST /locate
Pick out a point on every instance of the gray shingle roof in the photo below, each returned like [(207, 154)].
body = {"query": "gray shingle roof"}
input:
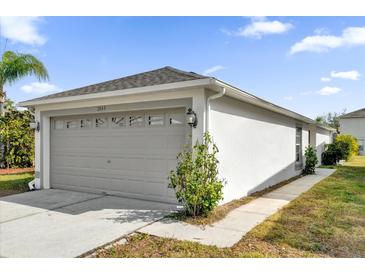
[(165, 75), (360, 113)]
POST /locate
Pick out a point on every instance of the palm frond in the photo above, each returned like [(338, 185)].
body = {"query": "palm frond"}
[(15, 66)]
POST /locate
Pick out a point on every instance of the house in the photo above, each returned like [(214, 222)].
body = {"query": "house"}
[(121, 137), (354, 123)]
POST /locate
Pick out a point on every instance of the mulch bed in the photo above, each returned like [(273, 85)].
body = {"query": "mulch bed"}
[(8, 171)]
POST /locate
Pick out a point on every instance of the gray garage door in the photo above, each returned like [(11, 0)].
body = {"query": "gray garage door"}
[(126, 153)]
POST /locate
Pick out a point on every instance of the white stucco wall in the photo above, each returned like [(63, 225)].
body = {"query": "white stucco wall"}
[(355, 127), (323, 137), (256, 146)]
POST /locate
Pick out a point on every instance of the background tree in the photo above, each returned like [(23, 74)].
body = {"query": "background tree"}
[(14, 66), (331, 119), (16, 139)]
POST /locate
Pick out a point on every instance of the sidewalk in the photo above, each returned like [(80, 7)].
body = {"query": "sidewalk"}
[(228, 231)]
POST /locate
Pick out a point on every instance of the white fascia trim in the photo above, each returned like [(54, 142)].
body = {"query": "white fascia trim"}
[(123, 92), (249, 98)]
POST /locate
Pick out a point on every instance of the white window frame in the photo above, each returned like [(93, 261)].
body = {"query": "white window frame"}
[(299, 162)]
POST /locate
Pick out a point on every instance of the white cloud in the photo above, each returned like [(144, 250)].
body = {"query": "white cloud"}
[(261, 26), (352, 36), (328, 91), (326, 79), (213, 69), (39, 88), (288, 98), (22, 29), (350, 75)]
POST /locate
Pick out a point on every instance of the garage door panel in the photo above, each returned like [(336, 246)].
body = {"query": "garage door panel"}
[(131, 161)]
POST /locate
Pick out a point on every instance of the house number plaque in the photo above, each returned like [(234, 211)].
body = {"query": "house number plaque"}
[(101, 108)]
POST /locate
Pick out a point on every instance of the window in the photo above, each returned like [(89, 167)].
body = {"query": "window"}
[(177, 119), (361, 146), (101, 122), (85, 123), (58, 124), (136, 121), (118, 121), (298, 146), (156, 120), (71, 124)]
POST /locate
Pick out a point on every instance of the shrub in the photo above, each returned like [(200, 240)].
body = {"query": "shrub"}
[(195, 180), (349, 145), (310, 160), (17, 139), (334, 153)]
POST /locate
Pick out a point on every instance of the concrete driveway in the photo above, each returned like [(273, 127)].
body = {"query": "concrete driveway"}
[(59, 223)]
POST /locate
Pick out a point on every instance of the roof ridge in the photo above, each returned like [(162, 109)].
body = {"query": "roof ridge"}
[(350, 114), (156, 76), (190, 73)]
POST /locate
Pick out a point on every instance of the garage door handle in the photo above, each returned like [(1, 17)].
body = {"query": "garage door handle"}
[(108, 161)]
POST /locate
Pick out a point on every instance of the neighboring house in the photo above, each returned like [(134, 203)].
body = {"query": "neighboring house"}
[(122, 136), (354, 123)]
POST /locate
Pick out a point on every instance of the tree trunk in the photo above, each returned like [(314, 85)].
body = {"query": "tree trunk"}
[(2, 100)]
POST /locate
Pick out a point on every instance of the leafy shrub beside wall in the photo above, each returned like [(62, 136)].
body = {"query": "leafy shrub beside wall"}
[(343, 148), (311, 160), (195, 180), (17, 139)]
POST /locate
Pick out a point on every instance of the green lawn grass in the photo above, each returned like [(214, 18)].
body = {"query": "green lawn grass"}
[(326, 221), (14, 183)]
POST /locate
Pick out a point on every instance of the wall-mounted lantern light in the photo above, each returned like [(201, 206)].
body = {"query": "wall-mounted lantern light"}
[(35, 125), (191, 118)]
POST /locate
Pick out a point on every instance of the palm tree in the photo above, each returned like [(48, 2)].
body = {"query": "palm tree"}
[(14, 66)]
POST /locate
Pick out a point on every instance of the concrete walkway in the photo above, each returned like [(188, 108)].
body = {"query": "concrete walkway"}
[(238, 222)]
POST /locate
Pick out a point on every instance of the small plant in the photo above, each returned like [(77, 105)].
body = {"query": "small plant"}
[(310, 160), (195, 180)]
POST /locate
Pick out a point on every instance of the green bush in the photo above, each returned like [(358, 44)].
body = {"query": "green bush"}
[(332, 155), (310, 160), (343, 148), (349, 144), (195, 180), (17, 138)]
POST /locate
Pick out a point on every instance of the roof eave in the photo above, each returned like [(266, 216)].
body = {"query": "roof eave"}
[(252, 99), (132, 91)]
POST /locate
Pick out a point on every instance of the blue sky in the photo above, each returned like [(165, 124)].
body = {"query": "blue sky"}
[(310, 65)]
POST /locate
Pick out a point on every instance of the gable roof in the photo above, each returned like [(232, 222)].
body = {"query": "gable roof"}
[(157, 80), (360, 113), (165, 75)]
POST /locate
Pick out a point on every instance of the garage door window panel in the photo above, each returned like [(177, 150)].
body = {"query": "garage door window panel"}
[(136, 120), (85, 123), (156, 120), (101, 122), (71, 124), (118, 121), (176, 119), (58, 124)]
